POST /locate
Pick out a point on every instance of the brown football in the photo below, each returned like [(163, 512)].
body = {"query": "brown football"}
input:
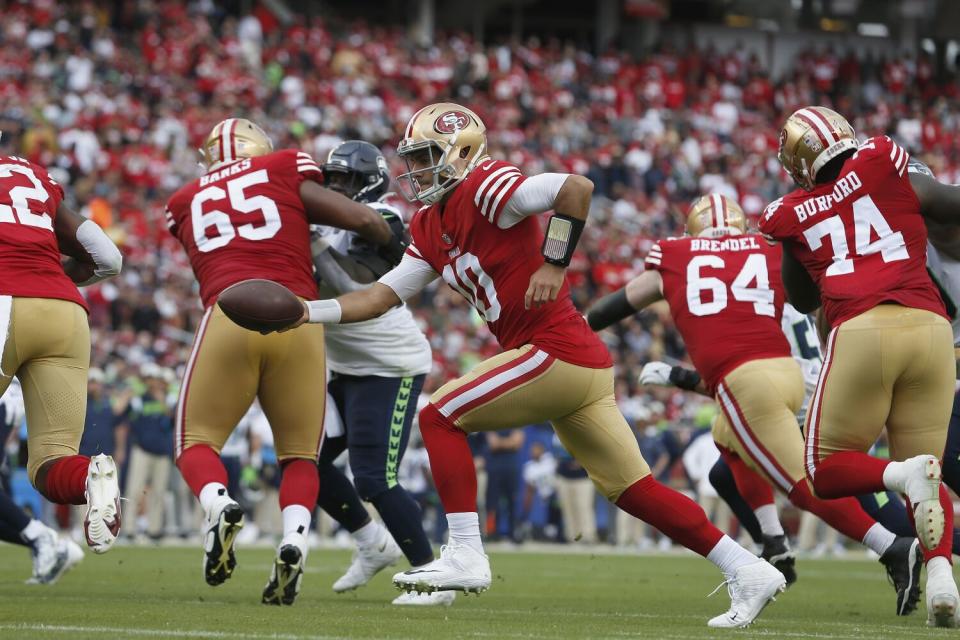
[(260, 305)]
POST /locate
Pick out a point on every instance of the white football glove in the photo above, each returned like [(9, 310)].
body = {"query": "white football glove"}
[(657, 373)]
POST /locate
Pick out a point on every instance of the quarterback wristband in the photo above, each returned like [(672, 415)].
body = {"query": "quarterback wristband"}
[(561, 238), (686, 379), (323, 311)]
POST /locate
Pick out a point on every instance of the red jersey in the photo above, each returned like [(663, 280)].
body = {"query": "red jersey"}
[(726, 297), (29, 251), (861, 238), (491, 267), (246, 220)]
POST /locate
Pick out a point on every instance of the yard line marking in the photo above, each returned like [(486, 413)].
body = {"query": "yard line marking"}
[(165, 633)]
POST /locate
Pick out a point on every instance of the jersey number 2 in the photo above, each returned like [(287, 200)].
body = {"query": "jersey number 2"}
[(754, 271), (19, 197), (240, 203)]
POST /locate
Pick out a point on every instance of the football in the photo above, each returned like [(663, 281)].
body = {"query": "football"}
[(260, 305)]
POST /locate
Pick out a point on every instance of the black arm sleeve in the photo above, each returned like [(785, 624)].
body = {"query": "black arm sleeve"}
[(610, 309)]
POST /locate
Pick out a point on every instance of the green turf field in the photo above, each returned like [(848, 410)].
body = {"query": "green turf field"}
[(150, 592)]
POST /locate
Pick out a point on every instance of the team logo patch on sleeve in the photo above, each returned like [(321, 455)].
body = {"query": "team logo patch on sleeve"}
[(451, 122)]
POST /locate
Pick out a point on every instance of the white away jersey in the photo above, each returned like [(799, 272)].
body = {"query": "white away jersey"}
[(389, 346), (801, 333)]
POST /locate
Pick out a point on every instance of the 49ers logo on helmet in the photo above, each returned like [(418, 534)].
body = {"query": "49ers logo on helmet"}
[(451, 122)]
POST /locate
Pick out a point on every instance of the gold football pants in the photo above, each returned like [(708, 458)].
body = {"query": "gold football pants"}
[(759, 401), (890, 366), (526, 386), (46, 344), (229, 366)]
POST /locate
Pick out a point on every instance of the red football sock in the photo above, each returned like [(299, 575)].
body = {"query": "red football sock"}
[(200, 465), (843, 514), (944, 549), (676, 515), (66, 481), (451, 461), (299, 484), (753, 487), (849, 473)]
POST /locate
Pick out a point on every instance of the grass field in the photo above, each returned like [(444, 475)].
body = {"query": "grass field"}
[(152, 592)]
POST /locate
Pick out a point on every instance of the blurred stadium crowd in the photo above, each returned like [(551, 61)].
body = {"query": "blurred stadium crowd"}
[(116, 101)]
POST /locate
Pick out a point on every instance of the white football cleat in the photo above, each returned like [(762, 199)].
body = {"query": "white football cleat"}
[(101, 526), (752, 588), (369, 561), (922, 486), (435, 599), (46, 556), (222, 524), (459, 568), (943, 601)]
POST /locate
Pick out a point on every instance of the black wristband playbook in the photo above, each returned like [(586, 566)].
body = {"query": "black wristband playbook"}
[(561, 238)]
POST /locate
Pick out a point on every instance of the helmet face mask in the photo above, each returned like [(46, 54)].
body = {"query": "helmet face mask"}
[(442, 144), (715, 215), (810, 138), (233, 139)]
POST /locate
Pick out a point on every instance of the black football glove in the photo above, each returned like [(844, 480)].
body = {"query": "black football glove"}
[(393, 251), (380, 259)]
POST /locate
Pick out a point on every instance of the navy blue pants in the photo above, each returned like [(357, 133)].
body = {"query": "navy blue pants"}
[(12, 518), (377, 414)]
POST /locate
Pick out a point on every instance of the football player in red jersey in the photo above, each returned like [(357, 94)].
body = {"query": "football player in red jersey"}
[(247, 217), (45, 338), (726, 297), (478, 231), (854, 239)]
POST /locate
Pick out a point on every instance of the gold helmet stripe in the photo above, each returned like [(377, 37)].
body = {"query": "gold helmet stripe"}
[(820, 125)]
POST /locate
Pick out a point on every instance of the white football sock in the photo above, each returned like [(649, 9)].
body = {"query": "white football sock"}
[(769, 520), (937, 565), (367, 535), (879, 538), (895, 477), (32, 531), (210, 494), (296, 520), (730, 556), (465, 529)]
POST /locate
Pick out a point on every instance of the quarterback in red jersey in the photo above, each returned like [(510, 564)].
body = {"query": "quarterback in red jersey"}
[(854, 238), (726, 297), (478, 231), (248, 217), (45, 338)]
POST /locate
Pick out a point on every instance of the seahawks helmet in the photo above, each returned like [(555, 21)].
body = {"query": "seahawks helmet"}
[(358, 170)]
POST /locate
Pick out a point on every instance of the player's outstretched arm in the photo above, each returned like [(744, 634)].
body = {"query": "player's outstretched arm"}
[(639, 293), (395, 287), (92, 255), (938, 201), (802, 291), (327, 207)]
